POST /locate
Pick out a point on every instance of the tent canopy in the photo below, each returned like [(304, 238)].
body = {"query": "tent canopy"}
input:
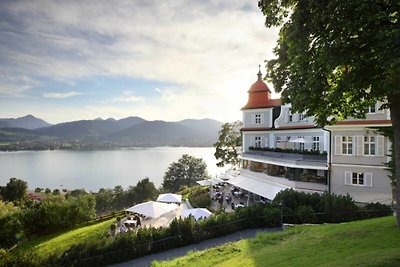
[(210, 181), (298, 140), (197, 213), (152, 209), (170, 198)]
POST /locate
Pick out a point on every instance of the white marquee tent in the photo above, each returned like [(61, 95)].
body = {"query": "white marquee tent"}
[(152, 209), (211, 181), (170, 198), (197, 213)]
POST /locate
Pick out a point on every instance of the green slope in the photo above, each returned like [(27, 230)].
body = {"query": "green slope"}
[(374, 242), (58, 243)]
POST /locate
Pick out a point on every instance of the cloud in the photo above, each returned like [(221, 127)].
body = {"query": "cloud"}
[(209, 49), (61, 95), (128, 97)]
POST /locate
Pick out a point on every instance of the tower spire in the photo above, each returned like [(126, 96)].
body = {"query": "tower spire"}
[(259, 75)]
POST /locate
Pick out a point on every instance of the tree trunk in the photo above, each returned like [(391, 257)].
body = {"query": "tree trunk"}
[(395, 116)]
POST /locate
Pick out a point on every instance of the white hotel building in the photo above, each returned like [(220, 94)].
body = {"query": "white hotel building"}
[(346, 158)]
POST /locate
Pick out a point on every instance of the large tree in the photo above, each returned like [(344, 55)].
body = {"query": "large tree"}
[(229, 142), (15, 190), (336, 57), (185, 172)]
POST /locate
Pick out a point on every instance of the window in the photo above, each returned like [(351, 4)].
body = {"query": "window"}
[(369, 145), (257, 141), (347, 145), (290, 115), (371, 109), (315, 144), (302, 117), (257, 119), (358, 178), (278, 140)]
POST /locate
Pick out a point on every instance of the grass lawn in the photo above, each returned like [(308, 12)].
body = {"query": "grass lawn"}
[(58, 243), (373, 242)]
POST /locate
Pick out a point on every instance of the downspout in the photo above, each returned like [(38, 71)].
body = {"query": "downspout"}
[(329, 158)]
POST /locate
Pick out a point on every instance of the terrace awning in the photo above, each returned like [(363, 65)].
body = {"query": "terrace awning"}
[(256, 186)]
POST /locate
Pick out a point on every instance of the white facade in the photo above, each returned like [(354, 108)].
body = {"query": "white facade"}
[(282, 150)]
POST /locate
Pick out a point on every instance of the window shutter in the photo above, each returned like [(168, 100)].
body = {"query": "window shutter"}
[(360, 145), (253, 118), (338, 145), (262, 118), (379, 146), (266, 142), (253, 141), (308, 142), (347, 178), (368, 179), (287, 115)]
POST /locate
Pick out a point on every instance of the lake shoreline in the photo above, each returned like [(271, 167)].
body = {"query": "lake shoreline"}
[(95, 169)]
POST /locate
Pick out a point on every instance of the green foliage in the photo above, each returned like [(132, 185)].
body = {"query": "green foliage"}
[(38, 190), (362, 243), (6, 207), (76, 193), (48, 216), (334, 58), (299, 207), (11, 230), (228, 145), (15, 190), (334, 66), (104, 200), (47, 191), (144, 190), (286, 150), (108, 200), (185, 172), (199, 196)]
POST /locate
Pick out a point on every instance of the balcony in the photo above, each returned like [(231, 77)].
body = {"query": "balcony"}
[(293, 160)]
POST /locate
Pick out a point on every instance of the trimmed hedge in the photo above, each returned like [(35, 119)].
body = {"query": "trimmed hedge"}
[(299, 207)]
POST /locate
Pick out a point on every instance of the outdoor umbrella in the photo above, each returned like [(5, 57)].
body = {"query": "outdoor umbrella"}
[(297, 140), (152, 209), (210, 181), (173, 198), (197, 213)]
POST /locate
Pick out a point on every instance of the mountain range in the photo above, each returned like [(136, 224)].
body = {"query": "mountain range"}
[(130, 131)]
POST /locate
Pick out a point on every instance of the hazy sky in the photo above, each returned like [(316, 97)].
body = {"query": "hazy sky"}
[(168, 60)]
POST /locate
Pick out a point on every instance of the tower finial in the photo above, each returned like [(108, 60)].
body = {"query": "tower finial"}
[(259, 75)]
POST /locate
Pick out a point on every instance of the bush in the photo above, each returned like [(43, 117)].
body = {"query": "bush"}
[(179, 233), (299, 207), (199, 197), (11, 230)]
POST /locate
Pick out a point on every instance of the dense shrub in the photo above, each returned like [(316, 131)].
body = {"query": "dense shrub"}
[(288, 150), (11, 230), (49, 217), (299, 207), (179, 233), (199, 197)]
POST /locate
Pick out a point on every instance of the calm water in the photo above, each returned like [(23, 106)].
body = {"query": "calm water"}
[(93, 170)]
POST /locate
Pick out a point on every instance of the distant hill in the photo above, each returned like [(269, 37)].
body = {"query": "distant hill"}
[(130, 131), (27, 122)]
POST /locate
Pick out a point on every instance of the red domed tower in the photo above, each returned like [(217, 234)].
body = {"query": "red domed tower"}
[(260, 95)]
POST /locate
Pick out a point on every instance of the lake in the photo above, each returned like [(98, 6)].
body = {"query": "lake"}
[(93, 170)]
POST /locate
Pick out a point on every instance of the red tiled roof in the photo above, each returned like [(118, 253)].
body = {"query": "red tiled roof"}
[(259, 86), (260, 96)]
